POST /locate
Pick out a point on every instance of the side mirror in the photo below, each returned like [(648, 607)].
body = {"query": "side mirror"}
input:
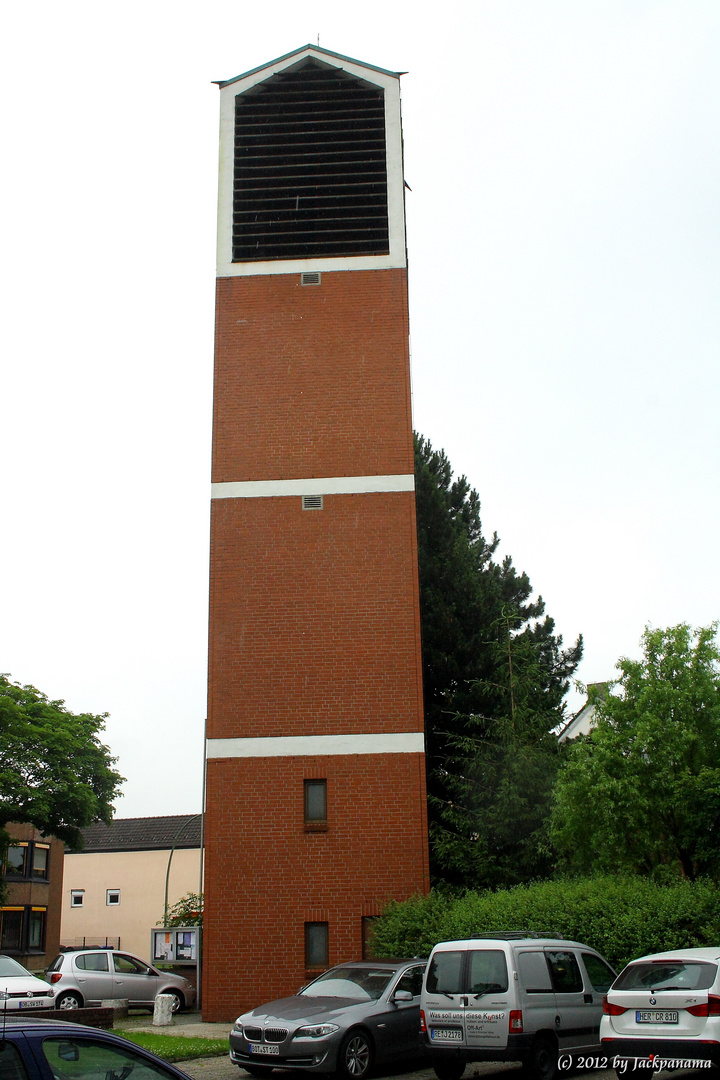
[(402, 995)]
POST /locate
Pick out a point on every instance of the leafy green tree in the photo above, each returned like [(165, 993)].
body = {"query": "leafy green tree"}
[(494, 679), (188, 911), (641, 793), (55, 773)]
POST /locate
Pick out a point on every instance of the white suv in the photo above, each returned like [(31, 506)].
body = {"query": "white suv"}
[(514, 997), (664, 1007)]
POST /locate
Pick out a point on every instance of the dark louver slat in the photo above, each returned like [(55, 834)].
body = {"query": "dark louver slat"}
[(310, 168)]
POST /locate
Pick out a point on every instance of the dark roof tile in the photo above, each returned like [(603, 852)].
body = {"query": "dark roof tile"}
[(143, 834)]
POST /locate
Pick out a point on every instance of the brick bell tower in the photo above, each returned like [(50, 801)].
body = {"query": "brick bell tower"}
[(315, 792)]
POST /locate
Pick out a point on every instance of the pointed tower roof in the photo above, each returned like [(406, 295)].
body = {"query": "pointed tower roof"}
[(282, 62)]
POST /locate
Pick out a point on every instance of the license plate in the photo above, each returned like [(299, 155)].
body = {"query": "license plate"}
[(263, 1049), (448, 1034), (656, 1016), (32, 1005)]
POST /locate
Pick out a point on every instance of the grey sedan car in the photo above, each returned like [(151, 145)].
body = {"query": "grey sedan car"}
[(88, 976), (351, 1017)]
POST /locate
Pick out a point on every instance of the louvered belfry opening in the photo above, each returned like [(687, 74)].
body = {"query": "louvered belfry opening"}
[(310, 167)]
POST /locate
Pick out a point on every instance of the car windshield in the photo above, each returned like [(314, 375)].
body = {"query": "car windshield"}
[(358, 983), (667, 975), (10, 969)]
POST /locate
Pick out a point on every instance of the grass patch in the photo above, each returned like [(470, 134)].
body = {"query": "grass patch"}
[(177, 1047)]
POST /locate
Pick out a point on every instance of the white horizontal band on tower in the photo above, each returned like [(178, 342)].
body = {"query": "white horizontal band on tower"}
[(406, 742), (319, 485)]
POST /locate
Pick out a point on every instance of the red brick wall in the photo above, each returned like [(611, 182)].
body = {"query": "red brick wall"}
[(267, 876), (313, 622), (312, 380), (314, 627)]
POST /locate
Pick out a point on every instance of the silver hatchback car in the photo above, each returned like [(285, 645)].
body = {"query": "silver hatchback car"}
[(86, 977)]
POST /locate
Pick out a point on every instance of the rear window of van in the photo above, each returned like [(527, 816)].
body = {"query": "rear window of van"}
[(486, 972), (445, 973)]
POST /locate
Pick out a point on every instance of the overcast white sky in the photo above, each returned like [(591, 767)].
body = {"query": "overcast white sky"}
[(564, 242)]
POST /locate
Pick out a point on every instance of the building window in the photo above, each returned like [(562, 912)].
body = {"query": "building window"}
[(315, 796), (77, 897), (28, 860), (16, 863), (41, 860), (22, 929), (112, 897), (36, 929), (11, 929), (368, 945), (317, 945)]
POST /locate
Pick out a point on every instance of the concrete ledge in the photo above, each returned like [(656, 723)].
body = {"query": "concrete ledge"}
[(97, 1017), (119, 1006)]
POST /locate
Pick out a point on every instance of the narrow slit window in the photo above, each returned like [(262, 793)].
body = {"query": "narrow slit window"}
[(317, 945), (315, 795), (368, 945)]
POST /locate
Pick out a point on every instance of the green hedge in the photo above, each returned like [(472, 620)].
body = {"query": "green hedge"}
[(621, 917)]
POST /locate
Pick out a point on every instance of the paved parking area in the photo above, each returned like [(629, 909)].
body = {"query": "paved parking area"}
[(221, 1068)]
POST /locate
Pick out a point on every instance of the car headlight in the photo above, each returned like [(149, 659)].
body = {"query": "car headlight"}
[(4, 995), (316, 1031), (237, 1027)]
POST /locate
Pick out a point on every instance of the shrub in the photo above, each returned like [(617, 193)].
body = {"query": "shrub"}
[(621, 917)]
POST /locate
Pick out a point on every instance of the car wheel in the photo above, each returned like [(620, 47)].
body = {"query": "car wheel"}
[(68, 1001), (543, 1061), (178, 1000), (448, 1068), (355, 1056)]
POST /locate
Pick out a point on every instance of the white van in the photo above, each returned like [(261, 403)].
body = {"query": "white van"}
[(512, 997)]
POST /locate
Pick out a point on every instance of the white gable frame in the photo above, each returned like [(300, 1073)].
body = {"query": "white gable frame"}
[(390, 82)]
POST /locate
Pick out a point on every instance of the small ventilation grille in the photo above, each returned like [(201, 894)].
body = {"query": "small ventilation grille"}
[(312, 502), (310, 279), (310, 168)]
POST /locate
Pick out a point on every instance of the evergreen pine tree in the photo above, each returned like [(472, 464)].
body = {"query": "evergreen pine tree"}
[(494, 678)]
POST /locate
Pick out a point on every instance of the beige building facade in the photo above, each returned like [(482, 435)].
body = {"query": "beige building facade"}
[(114, 890)]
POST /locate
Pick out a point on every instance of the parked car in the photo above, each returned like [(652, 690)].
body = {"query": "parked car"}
[(353, 1016), (35, 1049), (19, 989), (512, 998), (86, 977), (666, 1006)]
